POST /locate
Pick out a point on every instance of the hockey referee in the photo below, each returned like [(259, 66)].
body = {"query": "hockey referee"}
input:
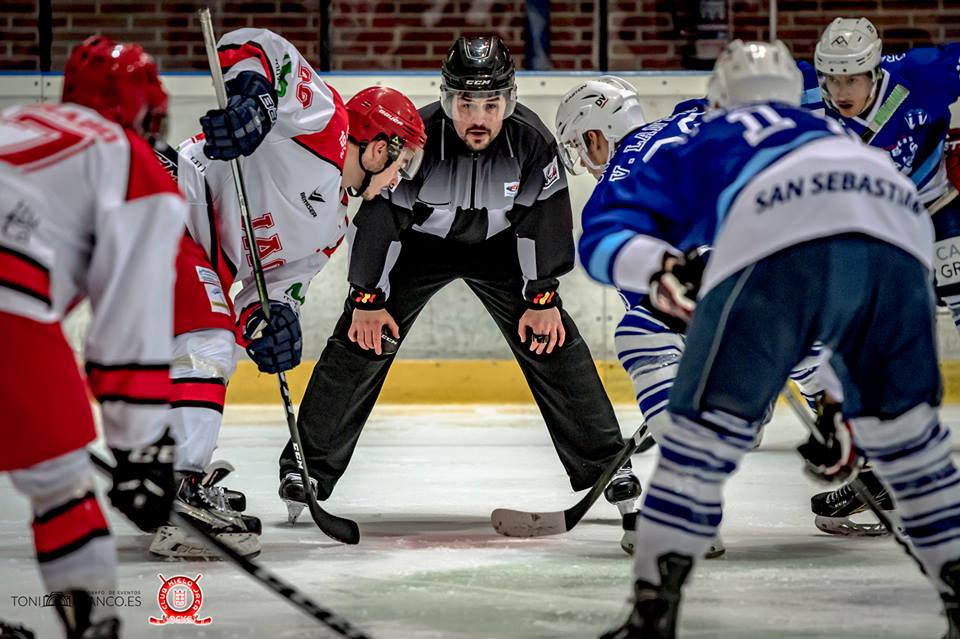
[(489, 206)]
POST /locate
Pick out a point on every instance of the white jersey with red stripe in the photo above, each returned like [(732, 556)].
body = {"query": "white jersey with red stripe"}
[(104, 224), (293, 179), (305, 103)]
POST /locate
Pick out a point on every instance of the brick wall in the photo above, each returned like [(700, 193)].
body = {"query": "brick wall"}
[(411, 34)]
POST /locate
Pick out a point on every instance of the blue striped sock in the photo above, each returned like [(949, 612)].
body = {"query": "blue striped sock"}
[(911, 455), (682, 505)]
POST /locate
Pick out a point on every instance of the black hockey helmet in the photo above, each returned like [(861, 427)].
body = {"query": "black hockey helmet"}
[(481, 67)]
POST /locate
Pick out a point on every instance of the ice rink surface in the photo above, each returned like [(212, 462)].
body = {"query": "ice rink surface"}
[(429, 566)]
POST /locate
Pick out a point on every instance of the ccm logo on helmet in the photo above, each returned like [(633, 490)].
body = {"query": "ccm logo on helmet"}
[(477, 83)]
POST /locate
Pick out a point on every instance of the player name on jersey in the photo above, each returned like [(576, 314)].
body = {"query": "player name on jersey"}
[(834, 181)]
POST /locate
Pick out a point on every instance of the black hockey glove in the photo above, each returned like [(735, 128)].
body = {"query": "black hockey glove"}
[(835, 459), (240, 128), (674, 288), (143, 484), (275, 345)]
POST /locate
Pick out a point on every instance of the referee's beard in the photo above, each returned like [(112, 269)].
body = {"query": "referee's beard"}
[(478, 138)]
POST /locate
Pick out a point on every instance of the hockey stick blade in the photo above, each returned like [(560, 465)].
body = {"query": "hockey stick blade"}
[(283, 589), (519, 523), (339, 528)]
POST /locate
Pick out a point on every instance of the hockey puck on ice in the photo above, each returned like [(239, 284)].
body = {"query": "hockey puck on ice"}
[(388, 343)]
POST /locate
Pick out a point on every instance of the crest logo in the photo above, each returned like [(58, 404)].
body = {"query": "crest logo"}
[(551, 174), (916, 117), (179, 599)]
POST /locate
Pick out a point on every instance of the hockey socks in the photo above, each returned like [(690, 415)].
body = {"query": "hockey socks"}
[(682, 507), (911, 455)]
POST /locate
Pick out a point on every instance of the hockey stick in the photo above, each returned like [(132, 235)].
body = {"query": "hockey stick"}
[(339, 625), (338, 528), (520, 523), (802, 411)]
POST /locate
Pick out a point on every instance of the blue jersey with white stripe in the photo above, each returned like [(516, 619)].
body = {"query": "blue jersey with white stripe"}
[(635, 150), (914, 135), (680, 192)]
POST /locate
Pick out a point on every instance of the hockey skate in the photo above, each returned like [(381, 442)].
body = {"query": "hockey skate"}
[(628, 540), (75, 608), (624, 490), (655, 608), (213, 475), (291, 492), (209, 510), (834, 509)]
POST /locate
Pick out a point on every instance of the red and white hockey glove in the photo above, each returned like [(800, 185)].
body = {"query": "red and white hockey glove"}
[(834, 459), (674, 288)]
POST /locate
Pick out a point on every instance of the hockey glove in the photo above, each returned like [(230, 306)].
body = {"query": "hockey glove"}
[(241, 127), (143, 485), (835, 459), (275, 345), (674, 288)]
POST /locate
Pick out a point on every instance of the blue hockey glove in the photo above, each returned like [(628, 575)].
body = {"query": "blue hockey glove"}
[(241, 127), (275, 345)]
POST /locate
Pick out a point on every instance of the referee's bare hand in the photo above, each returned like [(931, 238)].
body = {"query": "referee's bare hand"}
[(546, 329), (366, 327)]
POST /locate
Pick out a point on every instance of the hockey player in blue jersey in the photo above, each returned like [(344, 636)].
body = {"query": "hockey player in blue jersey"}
[(598, 120), (817, 237), (901, 104), (599, 124)]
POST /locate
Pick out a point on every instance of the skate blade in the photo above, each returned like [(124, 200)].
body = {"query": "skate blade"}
[(716, 549), (627, 506), (846, 527), (294, 508), (172, 542)]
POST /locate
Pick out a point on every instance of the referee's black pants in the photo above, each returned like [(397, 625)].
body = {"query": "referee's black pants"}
[(346, 381)]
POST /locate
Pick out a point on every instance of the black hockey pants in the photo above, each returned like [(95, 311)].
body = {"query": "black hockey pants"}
[(347, 380)]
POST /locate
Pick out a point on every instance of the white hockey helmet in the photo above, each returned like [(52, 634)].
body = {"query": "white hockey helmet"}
[(848, 46), (609, 105), (755, 72)]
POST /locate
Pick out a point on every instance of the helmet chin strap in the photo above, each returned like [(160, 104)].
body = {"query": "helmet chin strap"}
[(368, 174)]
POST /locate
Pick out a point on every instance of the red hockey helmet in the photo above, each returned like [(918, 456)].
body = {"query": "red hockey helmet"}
[(119, 81), (386, 114)]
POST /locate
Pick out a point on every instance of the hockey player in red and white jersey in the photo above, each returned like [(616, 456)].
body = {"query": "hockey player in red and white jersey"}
[(86, 211), (301, 151)]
